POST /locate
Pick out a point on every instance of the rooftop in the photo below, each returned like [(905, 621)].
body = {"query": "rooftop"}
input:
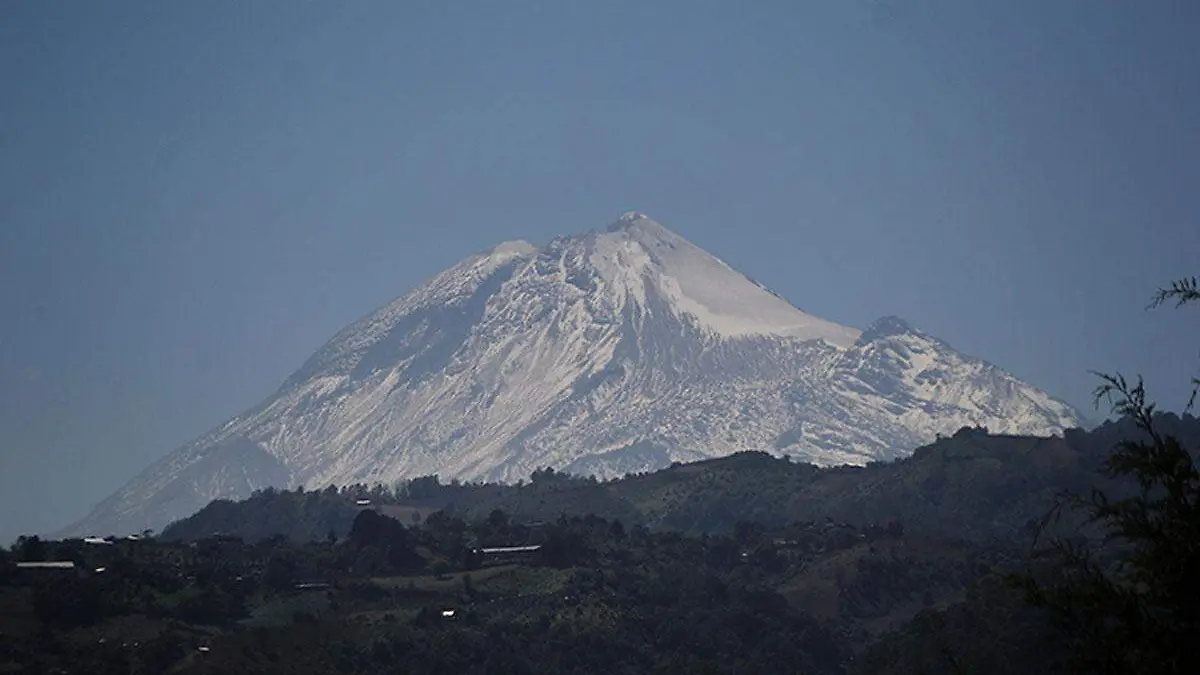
[(47, 564), (511, 549)]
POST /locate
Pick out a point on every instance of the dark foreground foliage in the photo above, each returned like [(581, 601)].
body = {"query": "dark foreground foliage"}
[(1130, 606), (1116, 597), (595, 597)]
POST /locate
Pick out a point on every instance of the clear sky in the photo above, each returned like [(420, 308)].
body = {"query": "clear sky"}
[(194, 196)]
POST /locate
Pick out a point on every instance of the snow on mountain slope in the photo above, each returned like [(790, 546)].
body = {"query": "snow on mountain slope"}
[(699, 285), (613, 351)]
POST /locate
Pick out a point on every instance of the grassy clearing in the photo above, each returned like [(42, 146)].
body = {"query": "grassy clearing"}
[(409, 513), (441, 582), (503, 580), (521, 580), (281, 610)]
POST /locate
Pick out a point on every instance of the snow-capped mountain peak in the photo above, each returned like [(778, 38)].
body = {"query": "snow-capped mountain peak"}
[(632, 218), (637, 251), (885, 326), (621, 349)]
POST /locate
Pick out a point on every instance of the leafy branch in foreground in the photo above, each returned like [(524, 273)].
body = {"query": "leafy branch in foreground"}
[(1181, 292), (1130, 606)]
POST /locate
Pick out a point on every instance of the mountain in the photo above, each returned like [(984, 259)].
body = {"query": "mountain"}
[(615, 351)]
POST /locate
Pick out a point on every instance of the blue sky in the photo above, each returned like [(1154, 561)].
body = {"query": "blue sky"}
[(195, 196)]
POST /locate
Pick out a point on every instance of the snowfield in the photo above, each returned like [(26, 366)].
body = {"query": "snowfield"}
[(619, 350)]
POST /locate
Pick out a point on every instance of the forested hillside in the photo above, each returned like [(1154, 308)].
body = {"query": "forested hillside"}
[(973, 486), (733, 565)]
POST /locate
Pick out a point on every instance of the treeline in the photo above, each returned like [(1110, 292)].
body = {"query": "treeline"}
[(972, 486), (312, 515)]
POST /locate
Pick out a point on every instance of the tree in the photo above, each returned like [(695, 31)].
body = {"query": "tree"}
[(279, 574), (423, 487), (30, 548), (745, 532), (372, 530), (1130, 606)]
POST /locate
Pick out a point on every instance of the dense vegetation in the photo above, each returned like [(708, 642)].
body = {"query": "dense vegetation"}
[(814, 573), (973, 485), (1118, 597), (597, 596), (945, 562), (673, 587)]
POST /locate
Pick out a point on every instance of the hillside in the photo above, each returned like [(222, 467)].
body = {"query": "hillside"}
[(592, 595), (972, 485), (893, 567)]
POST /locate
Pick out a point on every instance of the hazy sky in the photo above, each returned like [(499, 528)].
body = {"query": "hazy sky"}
[(195, 195)]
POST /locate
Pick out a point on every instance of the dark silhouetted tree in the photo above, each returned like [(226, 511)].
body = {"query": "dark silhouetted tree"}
[(1130, 606), (31, 548)]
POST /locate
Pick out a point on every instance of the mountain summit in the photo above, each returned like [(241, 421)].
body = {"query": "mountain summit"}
[(619, 350)]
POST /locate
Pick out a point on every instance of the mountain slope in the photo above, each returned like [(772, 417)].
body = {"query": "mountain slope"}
[(613, 351)]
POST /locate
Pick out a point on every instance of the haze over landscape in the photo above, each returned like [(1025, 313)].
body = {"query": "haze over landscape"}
[(194, 198), (560, 338)]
